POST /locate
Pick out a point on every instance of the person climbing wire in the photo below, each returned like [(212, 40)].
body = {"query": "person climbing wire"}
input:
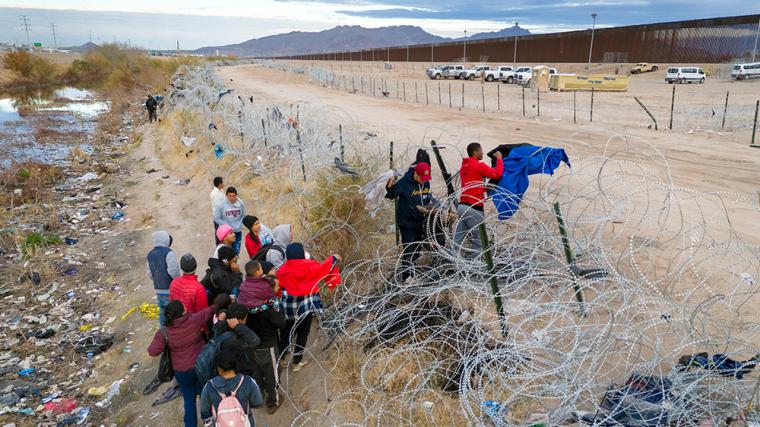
[(413, 194), (151, 104), (470, 210)]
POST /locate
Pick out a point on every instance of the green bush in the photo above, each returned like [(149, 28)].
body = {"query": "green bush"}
[(37, 240)]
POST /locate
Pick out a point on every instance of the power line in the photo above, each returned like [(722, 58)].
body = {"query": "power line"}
[(25, 19), (55, 40)]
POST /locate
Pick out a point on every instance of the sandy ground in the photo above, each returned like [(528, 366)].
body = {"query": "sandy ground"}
[(695, 106), (702, 160)]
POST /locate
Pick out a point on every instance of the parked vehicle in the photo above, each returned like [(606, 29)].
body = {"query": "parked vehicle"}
[(497, 73), (643, 67), (476, 71), (524, 78), (745, 71), (445, 71), (685, 75), (511, 77)]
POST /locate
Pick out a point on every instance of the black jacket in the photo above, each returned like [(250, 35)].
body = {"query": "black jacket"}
[(243, 342), (220, 279), (151, 103), (266, 324), (410, 194)]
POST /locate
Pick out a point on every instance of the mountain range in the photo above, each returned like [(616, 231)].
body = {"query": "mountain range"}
[(343, 38)]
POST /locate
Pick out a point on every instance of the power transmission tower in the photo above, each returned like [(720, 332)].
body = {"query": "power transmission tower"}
[(90, 36), (55, 40), (25, 19)]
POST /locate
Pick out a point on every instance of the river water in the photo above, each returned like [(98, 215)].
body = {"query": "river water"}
[(46, 127)]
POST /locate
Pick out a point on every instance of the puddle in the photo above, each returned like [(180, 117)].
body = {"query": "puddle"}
[(45, 126)]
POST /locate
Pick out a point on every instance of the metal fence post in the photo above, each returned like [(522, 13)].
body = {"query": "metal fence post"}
[(403, 86), (725, 109), (439, 92), (523, 100), (754, 126), (488, 258), (416, 94), (498, 97), (672, 104), (647, 111), (427, 98), (591, 110), (463, 96), (342, 148), (264, 131), (538, 100), (450, 106), (574, 115), (568, 253), (483, 96)]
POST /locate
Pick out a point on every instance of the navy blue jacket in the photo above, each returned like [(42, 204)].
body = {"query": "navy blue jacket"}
[(410, 194), (162, 263)]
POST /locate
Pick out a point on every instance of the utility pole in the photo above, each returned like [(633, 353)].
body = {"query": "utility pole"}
[(90, 36), (464, 58), (55, 41), (514, 56), (25, 19), (591, 46), (432, 56), (754, 49)]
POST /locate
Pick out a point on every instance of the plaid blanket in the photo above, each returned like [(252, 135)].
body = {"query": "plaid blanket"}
[(293, 307)]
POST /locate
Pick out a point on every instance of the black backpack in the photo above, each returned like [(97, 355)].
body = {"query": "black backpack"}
[(261, 255)]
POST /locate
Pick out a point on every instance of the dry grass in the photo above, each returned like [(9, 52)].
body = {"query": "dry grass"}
[(32, 179)]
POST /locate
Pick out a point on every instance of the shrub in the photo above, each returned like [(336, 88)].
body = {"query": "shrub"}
[(30, 68), (37, 240)]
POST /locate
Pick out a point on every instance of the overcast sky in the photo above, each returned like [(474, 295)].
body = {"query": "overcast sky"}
[(195, 23)]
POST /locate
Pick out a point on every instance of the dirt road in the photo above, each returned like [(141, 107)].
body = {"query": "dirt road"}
[(705, 161)]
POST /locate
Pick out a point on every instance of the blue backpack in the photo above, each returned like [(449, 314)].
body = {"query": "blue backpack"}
[(204, 364)]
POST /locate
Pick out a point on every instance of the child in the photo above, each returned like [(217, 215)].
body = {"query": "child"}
[(227, 382)]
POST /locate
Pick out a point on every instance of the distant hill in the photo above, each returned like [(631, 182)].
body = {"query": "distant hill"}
[(82, 48), (341, 38), (512, 31)]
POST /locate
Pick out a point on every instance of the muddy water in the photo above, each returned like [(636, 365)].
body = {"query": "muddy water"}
[(46, 127)]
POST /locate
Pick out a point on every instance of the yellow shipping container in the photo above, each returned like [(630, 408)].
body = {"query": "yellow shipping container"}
[(599, 83)]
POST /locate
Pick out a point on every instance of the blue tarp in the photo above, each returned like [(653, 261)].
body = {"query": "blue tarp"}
[(522, 162)]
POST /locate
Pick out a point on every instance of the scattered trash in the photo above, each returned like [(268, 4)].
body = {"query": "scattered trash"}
[(70, 294), (149, 171), (94, 343), (89, 176), (97, 391), (50, 397), (182, 181), (170, 394), (344, 167), (117, 216), (71, 241), (26, 372), (113, 391), (133, 367), (218, 151), (118, 204), (33, 277), (188, 141), (212, 126), (71, 271), (85, 328)]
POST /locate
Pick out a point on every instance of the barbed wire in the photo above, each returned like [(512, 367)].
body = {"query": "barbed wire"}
[(676, 275)]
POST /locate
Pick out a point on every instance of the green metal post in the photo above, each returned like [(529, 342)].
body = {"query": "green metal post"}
[(488, 258), (569, 257)]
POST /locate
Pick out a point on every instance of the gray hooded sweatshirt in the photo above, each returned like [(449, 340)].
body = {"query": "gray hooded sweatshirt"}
[(281, 235), (162, 262), (230, 213)]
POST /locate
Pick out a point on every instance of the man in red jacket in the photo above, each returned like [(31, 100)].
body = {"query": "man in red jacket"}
[(186, 288), (470, 209)]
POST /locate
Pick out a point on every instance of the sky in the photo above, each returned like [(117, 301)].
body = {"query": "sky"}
[(161, 23)]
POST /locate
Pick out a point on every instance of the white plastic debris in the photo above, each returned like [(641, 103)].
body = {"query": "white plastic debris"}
[(188, 141), (89, 176)]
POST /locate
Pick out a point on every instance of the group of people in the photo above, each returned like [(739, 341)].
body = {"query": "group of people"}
[(252, 314), (249, 314), (415, 201)]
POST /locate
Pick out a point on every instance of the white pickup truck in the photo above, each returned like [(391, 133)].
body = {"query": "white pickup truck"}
[(511, 77), (525, 77), (445, 71), (474, 72), (498, 73)]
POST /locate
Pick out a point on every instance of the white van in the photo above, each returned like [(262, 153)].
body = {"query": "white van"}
[(685, 74), (745, 71)]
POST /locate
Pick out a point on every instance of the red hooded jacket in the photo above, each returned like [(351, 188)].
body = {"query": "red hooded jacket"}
[(300, 277), (189, 292), (471, 174)]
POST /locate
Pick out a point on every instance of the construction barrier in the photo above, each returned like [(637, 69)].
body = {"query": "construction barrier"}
[(598, 83)]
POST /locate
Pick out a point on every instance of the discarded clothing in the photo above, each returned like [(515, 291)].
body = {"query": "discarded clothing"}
[(642, 401), (374, 192), (218, 151), (522, 162), (720, 363)]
